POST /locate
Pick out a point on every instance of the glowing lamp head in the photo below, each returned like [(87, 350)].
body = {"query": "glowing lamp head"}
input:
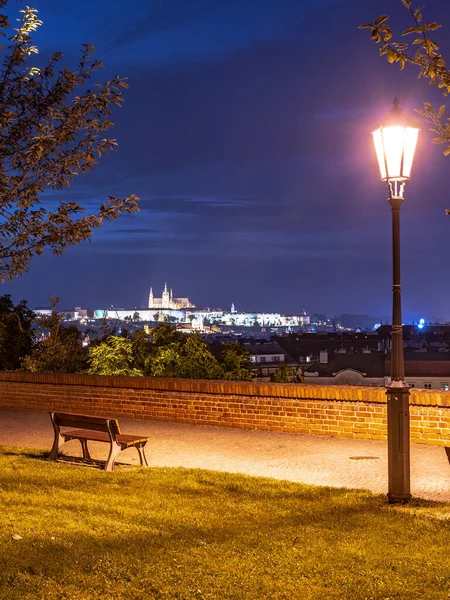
[(395, 142)]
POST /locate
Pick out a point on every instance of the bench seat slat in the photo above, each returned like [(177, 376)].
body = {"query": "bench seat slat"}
[(86, 421), (99, 436)]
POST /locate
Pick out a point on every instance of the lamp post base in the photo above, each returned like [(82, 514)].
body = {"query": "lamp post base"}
[(398, 442), (392, 499)]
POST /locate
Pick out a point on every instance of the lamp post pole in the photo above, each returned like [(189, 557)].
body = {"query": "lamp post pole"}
[(397, 390), (395, 141)]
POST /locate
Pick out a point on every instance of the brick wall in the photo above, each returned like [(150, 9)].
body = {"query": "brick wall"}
[(347, 411)]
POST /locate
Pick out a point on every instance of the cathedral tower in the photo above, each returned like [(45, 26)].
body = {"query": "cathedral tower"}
[(167, 301), (165, 297)]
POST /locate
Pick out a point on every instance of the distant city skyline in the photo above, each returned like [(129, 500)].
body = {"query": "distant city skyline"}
[(253, 158), (235, 307)]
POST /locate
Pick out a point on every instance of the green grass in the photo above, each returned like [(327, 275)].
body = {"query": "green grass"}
[(191, 534)]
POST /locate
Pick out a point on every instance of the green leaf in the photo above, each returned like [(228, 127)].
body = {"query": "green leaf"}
[(441, 111), (439, 140), (406, 3), (447, 151)]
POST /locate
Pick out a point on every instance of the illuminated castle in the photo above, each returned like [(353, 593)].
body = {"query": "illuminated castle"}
[(168, 301)]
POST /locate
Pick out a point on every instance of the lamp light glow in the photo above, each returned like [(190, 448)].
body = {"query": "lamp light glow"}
[(395, 144)]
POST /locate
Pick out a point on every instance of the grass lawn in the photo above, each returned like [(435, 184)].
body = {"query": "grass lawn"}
[(191, 534)]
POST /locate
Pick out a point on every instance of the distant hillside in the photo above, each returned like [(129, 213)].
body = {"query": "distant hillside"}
[(348, 321), (358, 321)]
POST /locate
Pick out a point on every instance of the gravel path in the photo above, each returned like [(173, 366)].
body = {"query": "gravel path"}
[(313, 459)]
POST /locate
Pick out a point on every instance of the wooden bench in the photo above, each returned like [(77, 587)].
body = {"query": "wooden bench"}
[(95, 429)]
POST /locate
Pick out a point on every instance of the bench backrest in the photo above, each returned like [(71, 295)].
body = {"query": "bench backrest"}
[(86, 422)]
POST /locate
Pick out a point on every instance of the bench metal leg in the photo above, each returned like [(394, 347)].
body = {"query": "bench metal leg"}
[(114, 451), (142, 457), (85, 449), (57, 443)]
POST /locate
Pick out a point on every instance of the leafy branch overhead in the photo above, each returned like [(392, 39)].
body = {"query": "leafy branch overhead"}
[(424, 53), (53, 127)]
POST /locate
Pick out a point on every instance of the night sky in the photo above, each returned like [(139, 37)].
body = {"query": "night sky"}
[(246, 134)]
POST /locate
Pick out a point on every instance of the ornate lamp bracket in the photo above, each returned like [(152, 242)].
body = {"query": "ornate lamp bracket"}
[(396, 188)]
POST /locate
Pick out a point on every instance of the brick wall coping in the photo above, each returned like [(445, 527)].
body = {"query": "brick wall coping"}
[(233, 388)]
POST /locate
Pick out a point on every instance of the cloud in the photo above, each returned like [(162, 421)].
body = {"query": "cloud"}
[(159, 17), (132, 231), (194, 206), (185, 30)]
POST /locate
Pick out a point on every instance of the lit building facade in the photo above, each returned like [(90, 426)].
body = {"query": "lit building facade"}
[(182, 310), (253, 319), (203, 318), (167, 301), (138, 314)]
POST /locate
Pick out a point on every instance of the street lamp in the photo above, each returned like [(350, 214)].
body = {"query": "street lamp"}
[(395, 141)]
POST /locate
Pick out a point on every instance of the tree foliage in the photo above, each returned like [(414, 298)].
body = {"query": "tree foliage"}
[(141, 345), (53, 127), (424, 53), (174, 354), (166, 352), (62, 351), (113, 357), (286, 374), (16, 333), (235, 360), (165, 334), (197, 362)]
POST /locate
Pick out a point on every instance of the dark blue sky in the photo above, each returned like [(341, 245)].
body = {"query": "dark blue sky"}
[(246, 133)]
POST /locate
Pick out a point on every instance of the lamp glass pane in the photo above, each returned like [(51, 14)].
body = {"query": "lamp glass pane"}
[(378, 141), (410, 141), (393, 140)]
